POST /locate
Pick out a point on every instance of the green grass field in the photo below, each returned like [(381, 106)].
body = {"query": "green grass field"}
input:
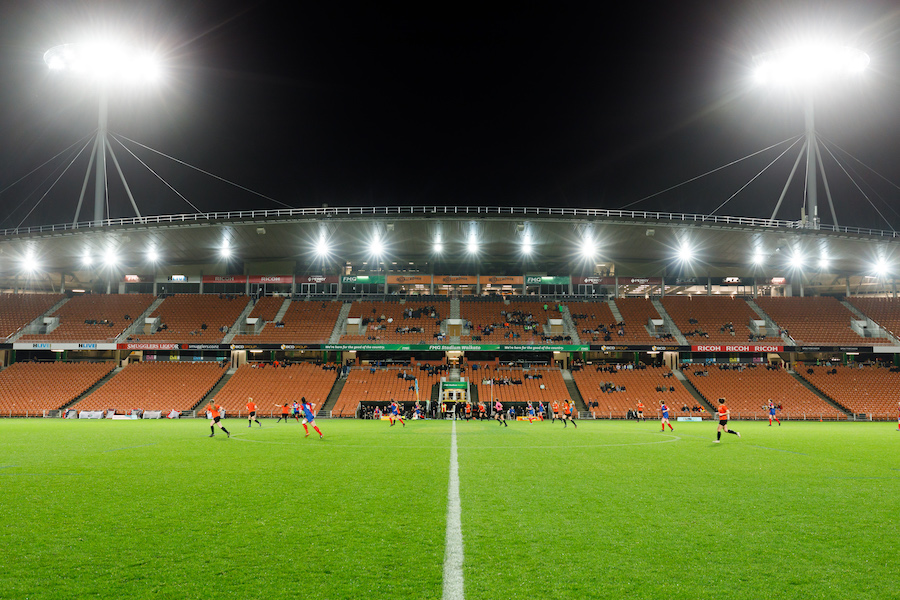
[(156, 509)]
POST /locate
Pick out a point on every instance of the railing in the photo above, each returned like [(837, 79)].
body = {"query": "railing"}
[(461, 211)]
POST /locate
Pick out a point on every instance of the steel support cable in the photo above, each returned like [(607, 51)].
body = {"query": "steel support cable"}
[(879, 175), (158, 176), (861, 191), (41, 199), (40, 166), (755, 177), (725, 166), (213, 175)]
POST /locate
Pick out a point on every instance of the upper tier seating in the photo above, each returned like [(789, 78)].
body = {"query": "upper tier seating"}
[(867, 390), (306, 321), (637, 312), (495, 322), (370, 384), (747, 391), (705, 320), (184, 317), (269, 386), (266, 308), (884, 311), (96, 317), (594, 322), (815, 320), (30, 387), (155, 386), (648, 385), (413, 319), (18, 310)]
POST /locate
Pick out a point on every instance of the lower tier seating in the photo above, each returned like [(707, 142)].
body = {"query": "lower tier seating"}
[(28, 388)]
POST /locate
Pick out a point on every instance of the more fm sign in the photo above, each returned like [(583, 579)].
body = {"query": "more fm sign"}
[(744, 348)]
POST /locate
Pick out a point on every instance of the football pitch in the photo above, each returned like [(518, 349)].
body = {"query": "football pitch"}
[(156, 509)]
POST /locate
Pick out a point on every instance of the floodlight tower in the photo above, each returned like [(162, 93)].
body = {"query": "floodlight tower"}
[(806, 69), (104, 66)]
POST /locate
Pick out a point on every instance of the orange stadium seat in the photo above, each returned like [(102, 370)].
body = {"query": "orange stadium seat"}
[(422, 327), (816, 320), (306, 321), (185, 315), (640, 385), (712, 315), (370, 384), (746, 392), (155, 386), (516, 322), (29, 388), (96, 317), (18, 310), (863, 390), (269, 386), (884, 311)]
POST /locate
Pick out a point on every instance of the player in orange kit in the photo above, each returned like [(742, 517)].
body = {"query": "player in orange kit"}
[(213, 409), (724, 413), (251, 413)]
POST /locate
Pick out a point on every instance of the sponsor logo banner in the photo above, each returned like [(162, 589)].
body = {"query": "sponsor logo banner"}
[(316, 278), (501, 280), (738, 348), (146, 346), (271, 279), (456, 279), (362, 278), (640, 280), (64, 346), (594, 280), (409, 279), (545, 280), (200, 346), (224, 279)]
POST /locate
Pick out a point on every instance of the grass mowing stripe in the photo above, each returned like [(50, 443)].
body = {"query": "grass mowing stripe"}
[(453, 557)]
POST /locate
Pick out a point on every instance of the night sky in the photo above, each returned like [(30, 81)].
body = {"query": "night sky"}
[(349, 104)]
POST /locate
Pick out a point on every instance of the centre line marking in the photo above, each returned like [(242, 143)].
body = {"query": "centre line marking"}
[(453, 553)]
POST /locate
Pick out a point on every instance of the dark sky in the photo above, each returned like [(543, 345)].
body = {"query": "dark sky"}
[(349, 104)]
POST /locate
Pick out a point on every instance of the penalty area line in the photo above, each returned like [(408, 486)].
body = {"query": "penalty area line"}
[(453, 553)]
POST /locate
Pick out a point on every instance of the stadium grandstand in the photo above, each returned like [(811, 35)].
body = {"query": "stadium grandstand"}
[(355, 326)]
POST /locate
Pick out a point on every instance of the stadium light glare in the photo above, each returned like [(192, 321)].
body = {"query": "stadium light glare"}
[(588, 248), (104, 62), (152, 255), (30, 262), (87, 260), (797, 261), (824, 263), (225, 251), (808, 65), (322, 248), (881, 267), (758, 259), (110, 258), (472, 244), (438, 247), (527, 246), (685, 253)]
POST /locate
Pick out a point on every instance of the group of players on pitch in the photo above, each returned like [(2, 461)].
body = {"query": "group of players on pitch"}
[(305, 408), (722, 411)]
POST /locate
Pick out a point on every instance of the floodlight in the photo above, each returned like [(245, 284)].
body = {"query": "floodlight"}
[(758, 259), (824, 263), (30, 262), (526, 245), (588, 248), (104, 62), (472, 245), (376, 246), (880, 267), (438, 247), (322, 249), (685, 253), (225, 250), (797, 260), (808, 65), (110, 259), (152, 255), (87, 260)]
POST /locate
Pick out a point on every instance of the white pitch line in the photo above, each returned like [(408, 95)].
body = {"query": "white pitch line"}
[(453, 553)]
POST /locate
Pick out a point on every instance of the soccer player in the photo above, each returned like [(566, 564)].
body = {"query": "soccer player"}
[(394, 413), (482, 411), (498, 413), (251, 413), (213, 409), (377, 413), (724, 413), (309, 416), (640, 411), (531, 415), (417, 412), (771, 407), (555, 407), (568, 411), (665, 415), (541, 411), (296, 409), (285, 412), (468, 410)]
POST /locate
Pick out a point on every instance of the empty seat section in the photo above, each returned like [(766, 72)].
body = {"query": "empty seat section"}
[(196, 318), (747, 392), (30, 388), (816, 320), (155, 386), (96, 317), (715, 320), (18, 310), (412, 322), (636, 313), (305, 321), (610, 392), (266, 308), (269, 385), (496, 322), (866, 390), (369, 384), (594, 322), (884, 311)]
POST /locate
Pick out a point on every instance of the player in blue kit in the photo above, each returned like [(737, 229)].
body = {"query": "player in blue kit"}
[(771, 407), (417, 412), (665, 415), (394, 413), (541, 411), (531, 415), (309, 416)]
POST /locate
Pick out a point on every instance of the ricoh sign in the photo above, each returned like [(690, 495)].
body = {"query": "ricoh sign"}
[(747, 348)]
